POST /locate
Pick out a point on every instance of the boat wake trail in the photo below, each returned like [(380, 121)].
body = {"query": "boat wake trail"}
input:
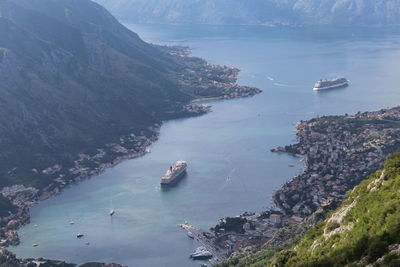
[(282, 85), (229, 177), (269, 78)]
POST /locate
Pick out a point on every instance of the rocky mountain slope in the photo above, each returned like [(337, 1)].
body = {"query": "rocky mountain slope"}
[(258, 12), (363, 231), (73, 79)]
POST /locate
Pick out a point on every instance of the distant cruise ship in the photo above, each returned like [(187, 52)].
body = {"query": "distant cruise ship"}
[(330, 84), (174, 173)]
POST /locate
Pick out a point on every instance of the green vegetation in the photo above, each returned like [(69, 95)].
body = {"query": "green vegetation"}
[(364, 230), (260, 258), (6, 207), (9, 259), (353, 124)]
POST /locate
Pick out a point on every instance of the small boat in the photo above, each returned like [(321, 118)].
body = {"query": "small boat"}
[(79, 235), (112, 211), (71, 222), (35, 245), (190, 234)]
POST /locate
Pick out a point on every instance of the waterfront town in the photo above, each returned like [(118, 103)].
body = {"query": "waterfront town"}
[(218, 82), (88, 165), (338, 152)]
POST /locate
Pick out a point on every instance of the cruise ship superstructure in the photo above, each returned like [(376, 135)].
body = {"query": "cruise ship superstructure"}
[(174, 173), (330, 84)]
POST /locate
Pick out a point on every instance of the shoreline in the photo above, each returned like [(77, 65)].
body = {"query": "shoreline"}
[(22, 216), (235, 92), (130, 146), (25, 197), (281, 214), (338, 152), (207, 99)]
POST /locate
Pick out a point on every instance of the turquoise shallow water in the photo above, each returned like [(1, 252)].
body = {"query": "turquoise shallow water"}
[(233, 141)]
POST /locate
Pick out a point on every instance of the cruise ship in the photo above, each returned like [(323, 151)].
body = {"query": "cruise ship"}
[(330, 84), (174, 173)]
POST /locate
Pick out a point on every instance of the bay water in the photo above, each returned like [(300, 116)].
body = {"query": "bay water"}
[(230, 167)]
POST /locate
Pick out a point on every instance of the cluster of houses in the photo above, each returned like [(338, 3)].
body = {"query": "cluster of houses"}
[(338, 152), (249, 230), (85, 166), (221, 78)]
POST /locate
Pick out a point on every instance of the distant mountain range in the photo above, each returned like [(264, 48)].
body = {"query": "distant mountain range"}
[(257, 12)]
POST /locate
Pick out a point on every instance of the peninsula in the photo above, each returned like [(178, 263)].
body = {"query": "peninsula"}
[(338, 153)]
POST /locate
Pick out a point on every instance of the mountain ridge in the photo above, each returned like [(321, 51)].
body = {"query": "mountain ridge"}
[(258, 12), (74, 81)]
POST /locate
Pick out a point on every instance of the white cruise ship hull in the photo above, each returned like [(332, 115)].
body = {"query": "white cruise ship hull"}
[(173, 181), (331, 87)]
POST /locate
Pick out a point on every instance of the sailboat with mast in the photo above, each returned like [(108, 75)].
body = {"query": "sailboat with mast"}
[(112, 211)]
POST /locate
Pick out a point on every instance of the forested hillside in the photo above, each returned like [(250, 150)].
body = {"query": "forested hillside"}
[(76, 84), (364, 230)]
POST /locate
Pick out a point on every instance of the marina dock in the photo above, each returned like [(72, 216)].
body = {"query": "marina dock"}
[(206, 242)]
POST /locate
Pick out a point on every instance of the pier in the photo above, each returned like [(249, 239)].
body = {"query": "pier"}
[(198, 234)]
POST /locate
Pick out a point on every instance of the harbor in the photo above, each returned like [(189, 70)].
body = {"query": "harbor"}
[(338, 153), (206, 240), (233, 141)]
